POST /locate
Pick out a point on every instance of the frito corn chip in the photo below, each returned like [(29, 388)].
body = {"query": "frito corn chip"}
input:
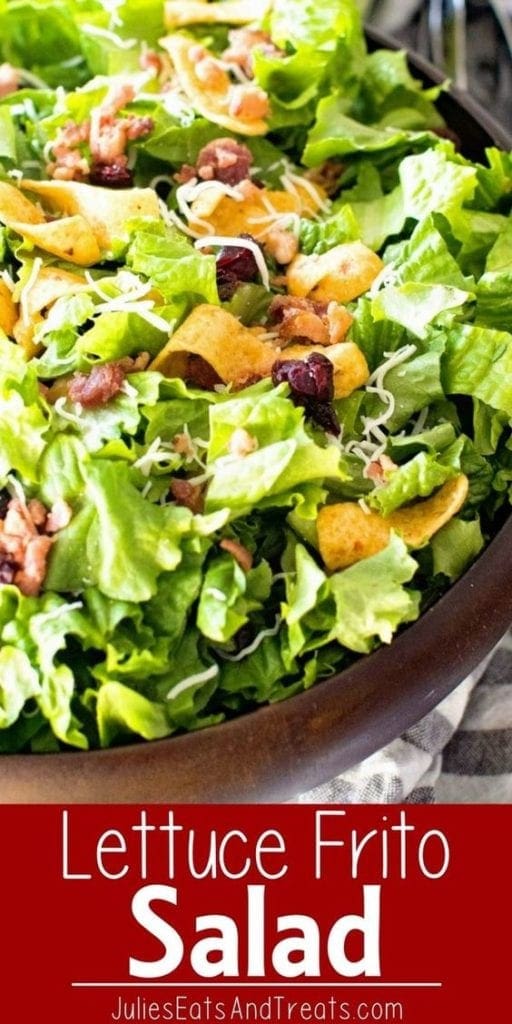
[(417, 523), (340, 274), (350, 366), (233, 351), (106, 210), (14, 206), (71, 239), (212, 103), (227, 12), (228, 216), (347, 533), (50, 284), (8, 310)]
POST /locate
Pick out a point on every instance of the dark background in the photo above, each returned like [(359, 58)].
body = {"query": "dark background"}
[(489, 63)]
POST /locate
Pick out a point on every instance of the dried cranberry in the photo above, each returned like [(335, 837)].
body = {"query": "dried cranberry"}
[(235, 264), (311, 382), (312, 377), (111, 176), (8, 570)]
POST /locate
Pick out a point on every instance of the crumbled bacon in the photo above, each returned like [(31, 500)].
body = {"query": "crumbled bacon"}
[(183, 445), (107, 136), (134, 364), (304, 320), (326, 176), (25, 544), (9, 79), (222, 160), (150, 60), (30, 576), (243, 42), (239, 552), (378, 469), (297, 319), (187, 494), (98, 387)]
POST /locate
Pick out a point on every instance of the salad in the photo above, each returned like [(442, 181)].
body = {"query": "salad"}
[(255, 359)]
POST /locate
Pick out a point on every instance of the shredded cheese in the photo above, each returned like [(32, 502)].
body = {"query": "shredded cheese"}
[(159, 451), (258, 640), (218, 241), (372, 425), (290, 179), (199, 677), (420, 422)]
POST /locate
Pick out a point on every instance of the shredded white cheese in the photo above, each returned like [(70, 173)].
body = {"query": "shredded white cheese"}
[(199, 677), (244, 243), (290, 180), (158, 451), (258, 640), (372, 425)]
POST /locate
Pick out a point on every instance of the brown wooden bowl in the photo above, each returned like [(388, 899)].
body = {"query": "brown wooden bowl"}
[(281, 750)]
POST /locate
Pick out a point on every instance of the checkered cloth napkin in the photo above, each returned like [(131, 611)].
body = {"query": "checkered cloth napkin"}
[(460, 753)]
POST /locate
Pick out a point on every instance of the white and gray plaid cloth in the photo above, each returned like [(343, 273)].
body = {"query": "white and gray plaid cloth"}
[(460, 753)]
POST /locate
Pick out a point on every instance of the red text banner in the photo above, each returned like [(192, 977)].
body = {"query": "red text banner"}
[(265, 914)]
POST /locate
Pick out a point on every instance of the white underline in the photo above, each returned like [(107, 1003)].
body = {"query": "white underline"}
[(256, 984)]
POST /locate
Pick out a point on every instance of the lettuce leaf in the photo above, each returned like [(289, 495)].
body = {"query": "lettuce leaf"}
[(478, 362), (371, 599), (414, 479)]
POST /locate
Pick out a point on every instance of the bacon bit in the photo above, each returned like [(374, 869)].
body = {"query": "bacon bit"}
[(37, 512), (30, 577), (241, 443), (340, 320), (300, 319), (106, 134), (182, 444), (378, 469), (185, 174), (9, 80), (249, 102), (239, 552), (187, 494), (23, 549), (326, 176), (59, 516), (282, 245), (97, 387), (135, 365), (243, 42), (222, 160), (150, 60)]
